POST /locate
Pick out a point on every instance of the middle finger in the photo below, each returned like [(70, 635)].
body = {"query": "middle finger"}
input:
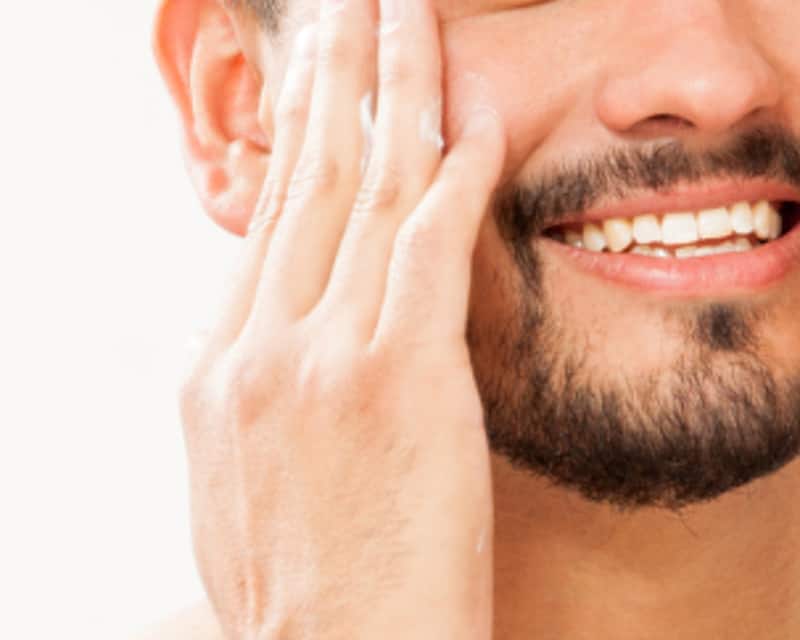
[(328, 173), (407, 152)]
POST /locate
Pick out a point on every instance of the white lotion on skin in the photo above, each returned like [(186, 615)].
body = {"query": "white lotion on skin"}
[(391, 16), (481, 541), (367, 129), (430, 124)]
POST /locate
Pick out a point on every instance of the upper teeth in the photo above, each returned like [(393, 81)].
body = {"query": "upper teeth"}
[(618, 234)]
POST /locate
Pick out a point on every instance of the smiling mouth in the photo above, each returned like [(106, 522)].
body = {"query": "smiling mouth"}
[(738, 228)]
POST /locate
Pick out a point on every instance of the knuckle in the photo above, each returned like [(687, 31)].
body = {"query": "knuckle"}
[(382, 193), (327, 369), (336, 50), (245, 386), (317, 177), (400, 68), (324, 375), (293, 111), (275, 205), (268, 218), (314, 378), (397, 72)]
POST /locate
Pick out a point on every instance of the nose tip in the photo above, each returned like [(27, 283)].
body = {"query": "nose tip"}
[(705, 81)]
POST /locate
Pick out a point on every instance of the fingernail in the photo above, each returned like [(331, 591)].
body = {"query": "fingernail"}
[(390, 15)]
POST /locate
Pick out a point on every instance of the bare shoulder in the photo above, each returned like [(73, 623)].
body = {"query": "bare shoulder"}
[(196, 623)]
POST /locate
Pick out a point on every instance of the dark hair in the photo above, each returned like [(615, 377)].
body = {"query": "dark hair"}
[(268, 12)]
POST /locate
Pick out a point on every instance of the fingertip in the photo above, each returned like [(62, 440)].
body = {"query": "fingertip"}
[(479, 150), (485, 123), (480, 119)]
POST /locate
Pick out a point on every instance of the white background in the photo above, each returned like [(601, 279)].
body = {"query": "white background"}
[(107, 268)]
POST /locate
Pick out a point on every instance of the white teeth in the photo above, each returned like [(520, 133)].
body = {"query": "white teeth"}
[(679, 228), (700, 252), (574, 239), (704, 251), (761, 224), (775, 224), (646, 229), (767, 222), (618, 233), (593, 237), (682, 230), (725, 247), (742, 218), (714, 223), (655, 252), (686, 252)]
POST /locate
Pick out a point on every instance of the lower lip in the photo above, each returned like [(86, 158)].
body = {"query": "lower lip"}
[(729, 272)]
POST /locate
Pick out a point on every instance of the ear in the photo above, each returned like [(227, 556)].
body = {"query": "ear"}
[(225, 110)]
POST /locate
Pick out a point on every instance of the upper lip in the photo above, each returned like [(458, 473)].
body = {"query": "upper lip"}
[(685, 198)]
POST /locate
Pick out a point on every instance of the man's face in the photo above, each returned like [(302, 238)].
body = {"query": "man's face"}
[(635, 379)]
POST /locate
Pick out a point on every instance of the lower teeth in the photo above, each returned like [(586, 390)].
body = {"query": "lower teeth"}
[(733, 245), (692, 251)]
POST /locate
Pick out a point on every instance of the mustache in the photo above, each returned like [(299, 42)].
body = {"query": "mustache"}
[(525, 210)]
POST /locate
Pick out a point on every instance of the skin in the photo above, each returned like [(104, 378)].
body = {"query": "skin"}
[(565, 565)]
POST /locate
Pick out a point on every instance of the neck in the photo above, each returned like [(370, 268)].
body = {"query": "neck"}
[(565, 567)]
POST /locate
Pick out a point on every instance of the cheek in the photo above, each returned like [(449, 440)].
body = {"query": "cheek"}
[(532, 91)]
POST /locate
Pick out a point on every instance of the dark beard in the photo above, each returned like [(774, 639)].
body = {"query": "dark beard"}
[(716, 418)]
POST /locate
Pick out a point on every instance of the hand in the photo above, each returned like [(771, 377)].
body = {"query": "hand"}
[(339, 463)]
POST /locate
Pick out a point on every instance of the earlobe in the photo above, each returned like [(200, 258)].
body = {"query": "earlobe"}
[(223, 105)]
